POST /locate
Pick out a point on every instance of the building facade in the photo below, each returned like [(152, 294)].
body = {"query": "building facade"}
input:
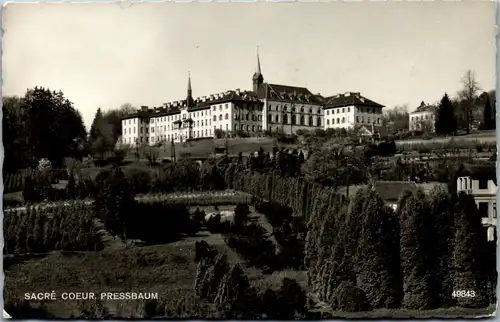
[(267, 107), (190, 118), (423, 118), (351, 109), (481, 183)]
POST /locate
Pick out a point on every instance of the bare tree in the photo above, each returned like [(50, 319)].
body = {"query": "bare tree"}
[(397, 119), (127, 108), (468, 96)]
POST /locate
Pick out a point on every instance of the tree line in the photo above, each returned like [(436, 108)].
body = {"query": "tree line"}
[(42, 230), (413, 258), (41, 124), (469, 107), (44, 124)]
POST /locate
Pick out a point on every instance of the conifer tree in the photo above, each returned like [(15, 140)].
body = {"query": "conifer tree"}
[(441, 209), (377, 260), (71, 188), (489, 122), (21, 231), (445, 122), (415, 251), (468, 254), (38, 231)]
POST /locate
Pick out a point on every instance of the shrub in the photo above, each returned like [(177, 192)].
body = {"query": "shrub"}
[(349, 298), (233, 291), (241, 213), (203, 250), (158, 222), (216, 226), (291, 300), (139, 178), (153, 308)]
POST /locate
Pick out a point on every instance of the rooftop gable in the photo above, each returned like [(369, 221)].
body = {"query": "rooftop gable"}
[(288, 93), (349, 99), (423, 107)]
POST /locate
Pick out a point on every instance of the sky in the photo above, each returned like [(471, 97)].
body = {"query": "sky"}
[(105, 55)]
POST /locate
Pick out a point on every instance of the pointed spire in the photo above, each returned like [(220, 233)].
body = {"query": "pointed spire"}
[(189, 81), (258, 62)]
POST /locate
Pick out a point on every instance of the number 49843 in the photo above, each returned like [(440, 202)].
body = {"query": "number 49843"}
[(464, 293)]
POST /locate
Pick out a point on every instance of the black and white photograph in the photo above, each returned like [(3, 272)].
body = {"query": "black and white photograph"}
[(249, 160)]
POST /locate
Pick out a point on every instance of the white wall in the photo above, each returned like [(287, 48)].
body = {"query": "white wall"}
[(274, 116), (348, 116), (416, 120)]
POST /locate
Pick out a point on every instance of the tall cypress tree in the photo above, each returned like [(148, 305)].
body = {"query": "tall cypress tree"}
[(416, 252), (377, 260), (445, 122), (442, 213), (468, 255)]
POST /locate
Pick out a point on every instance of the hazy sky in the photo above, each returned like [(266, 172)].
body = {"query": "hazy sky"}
[(102, 55)]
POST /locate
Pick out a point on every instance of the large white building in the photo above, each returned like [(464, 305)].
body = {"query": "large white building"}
[(481, 183), (423, 118), (190, 118), (271, 107)]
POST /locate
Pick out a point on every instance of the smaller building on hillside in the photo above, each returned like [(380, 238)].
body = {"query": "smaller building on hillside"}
[(352, 109), (423, 118), (481, 183)]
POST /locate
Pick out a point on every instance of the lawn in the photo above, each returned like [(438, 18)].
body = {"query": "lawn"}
[(168, 269)]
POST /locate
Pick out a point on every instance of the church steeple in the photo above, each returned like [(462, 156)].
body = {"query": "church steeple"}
[(189, 99), (257, 79)]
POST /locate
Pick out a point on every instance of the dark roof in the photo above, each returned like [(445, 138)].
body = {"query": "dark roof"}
[(229, 96), (138, 114), (424, 108), (172, 108), (348, 99), (286, 93), (478, 172)]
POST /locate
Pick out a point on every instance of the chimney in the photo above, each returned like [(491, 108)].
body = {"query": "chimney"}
[(144, 108), (238, 91)]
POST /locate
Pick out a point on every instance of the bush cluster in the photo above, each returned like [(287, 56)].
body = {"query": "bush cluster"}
[(40, 230), (362, 255), (229, 289)]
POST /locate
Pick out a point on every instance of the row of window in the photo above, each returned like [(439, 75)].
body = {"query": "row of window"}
[(369, 110), (285, 109), (237, 117), (359, 119), (133, 128), (338, 110), (422, 117), (276, 108), (200, 133), (293, 119)]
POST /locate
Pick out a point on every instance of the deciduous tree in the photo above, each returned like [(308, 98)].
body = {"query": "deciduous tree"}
[(468, 96)]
